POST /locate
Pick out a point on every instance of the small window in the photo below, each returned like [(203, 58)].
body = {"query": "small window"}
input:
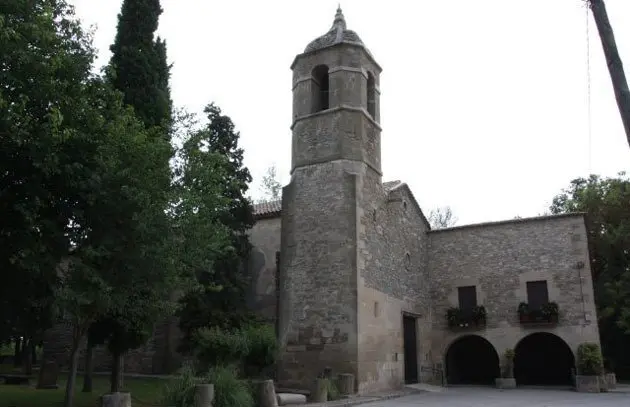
[(407, 260), (371, 95), (320, 95), (467, 297), (377, 311), (537, 294)]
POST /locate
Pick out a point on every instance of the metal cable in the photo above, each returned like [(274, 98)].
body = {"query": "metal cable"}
[(589, 120)]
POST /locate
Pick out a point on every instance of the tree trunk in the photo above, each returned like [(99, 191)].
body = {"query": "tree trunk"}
[(72, 376), (89, 367), (34, 354), (118, 366), (27, 357), (613, 60), (17, 352)]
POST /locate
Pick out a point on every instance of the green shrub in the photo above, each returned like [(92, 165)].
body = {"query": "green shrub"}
[(229, 390), (217, 347), (262, 348), (331, 389), (590, 361), (180, 392)]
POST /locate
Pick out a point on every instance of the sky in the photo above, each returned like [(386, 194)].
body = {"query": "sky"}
[(484, 104)]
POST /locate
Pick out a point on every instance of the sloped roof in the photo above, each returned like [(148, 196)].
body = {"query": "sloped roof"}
[(272, 209)]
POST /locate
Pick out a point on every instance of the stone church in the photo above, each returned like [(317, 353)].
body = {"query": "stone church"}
[(355, 279)]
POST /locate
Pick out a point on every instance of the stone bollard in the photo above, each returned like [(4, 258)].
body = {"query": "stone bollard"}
[(267, 394), (116, 400), (346, 384), (204, 395), (320, 392)]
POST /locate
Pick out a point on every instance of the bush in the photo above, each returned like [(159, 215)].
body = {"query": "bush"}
[(590, 361), (180, 392), (262, 348), (229, 391), (217, 347)]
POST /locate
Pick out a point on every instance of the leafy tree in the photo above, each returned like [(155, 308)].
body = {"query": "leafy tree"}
[(44, 66), (271, 186), (225, 306), (605, 202), (440, 218), (139, 65)]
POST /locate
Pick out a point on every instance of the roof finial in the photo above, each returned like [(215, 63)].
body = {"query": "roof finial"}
[(339, 18)]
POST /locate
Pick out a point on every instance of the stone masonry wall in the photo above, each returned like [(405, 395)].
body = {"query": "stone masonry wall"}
[(265, 239), (318, 320), (393, 280), (500, 259)]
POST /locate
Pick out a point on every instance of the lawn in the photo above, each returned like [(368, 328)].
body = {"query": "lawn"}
[(145, 392)]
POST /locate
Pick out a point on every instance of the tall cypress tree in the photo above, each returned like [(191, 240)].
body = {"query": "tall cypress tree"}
[(139, 66)]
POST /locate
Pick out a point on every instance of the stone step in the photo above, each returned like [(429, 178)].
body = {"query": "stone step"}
[(290, 399)]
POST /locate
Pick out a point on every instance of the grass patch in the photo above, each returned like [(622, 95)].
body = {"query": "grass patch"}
[(145, 392)]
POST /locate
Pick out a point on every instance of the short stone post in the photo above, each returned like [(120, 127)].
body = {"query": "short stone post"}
[(320, 393), (116, 400), (267, 394), (346, 384), (204, 395)]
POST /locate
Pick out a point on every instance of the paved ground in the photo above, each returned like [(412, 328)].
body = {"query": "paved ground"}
[(490, 397)]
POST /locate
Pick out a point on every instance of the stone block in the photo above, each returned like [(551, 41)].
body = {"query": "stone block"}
[(587, 384), (611, 380), (266, 394), (290, 398), (115, 400), (346, 384), (505, 383), (48, 375), (204, 395), (320, 392)]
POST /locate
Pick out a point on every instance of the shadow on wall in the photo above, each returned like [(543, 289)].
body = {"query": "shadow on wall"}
[(262, 292)]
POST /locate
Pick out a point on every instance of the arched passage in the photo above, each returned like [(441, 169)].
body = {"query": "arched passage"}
[(472, 360), (543, 358)]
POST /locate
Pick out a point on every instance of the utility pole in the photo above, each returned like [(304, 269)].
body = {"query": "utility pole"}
[(613, 60)]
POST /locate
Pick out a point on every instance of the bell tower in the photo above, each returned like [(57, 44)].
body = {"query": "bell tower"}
[(335, 180)]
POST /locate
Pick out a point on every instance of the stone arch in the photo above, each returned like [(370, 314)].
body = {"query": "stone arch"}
[(320, 96), (543, 358), (371, 95), (471, 359)]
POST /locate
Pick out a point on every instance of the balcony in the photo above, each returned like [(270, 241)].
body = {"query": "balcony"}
[(466, 319), (545, 315)]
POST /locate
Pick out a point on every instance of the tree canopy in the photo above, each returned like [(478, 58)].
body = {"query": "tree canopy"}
[(606, 203)]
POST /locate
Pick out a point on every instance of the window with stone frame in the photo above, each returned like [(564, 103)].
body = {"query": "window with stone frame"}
[(320, 89), (467, 297), (371, 95), (537, 294)]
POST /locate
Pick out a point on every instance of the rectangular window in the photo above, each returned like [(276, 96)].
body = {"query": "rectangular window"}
[(467, 297), (537, 294)]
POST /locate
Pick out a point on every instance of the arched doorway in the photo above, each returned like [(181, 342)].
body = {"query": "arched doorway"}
[(543, 358), (472, 360)]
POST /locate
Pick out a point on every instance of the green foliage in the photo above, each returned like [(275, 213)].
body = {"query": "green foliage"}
[(229, 390), (605, 202), (590, 362), (332, 390), (212, 153), (254, 347), (45, 60), (180, 391), (263, 347), (219, 347), (550, 310), (507, 370), (139, 66), (523, 308)]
